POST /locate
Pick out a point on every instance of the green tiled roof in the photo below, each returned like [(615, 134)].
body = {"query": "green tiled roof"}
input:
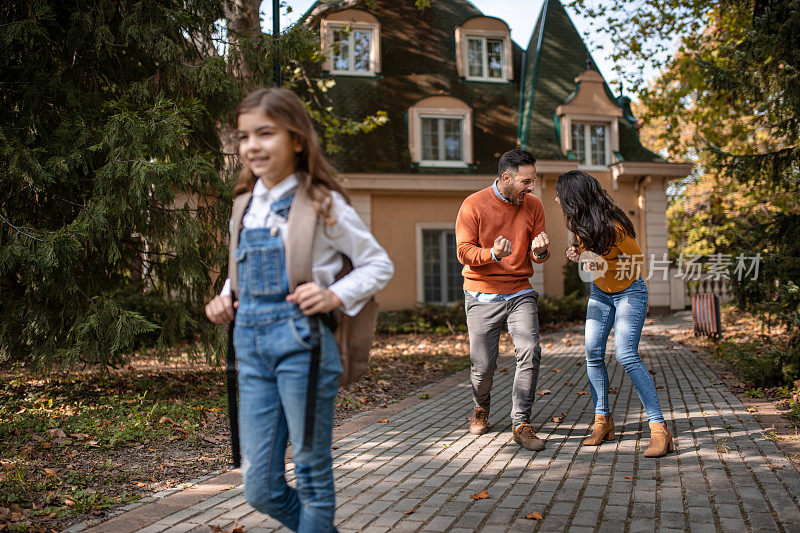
[(556, 55), (418, 60)]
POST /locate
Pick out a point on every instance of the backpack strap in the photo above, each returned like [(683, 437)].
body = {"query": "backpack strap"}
[(302, 222), (240, 204)]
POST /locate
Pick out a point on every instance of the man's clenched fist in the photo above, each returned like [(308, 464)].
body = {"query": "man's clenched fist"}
[(502, 247), (540, 243)]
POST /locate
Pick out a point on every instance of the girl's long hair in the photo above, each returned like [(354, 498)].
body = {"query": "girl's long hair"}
[(590, 213), (315, 174)]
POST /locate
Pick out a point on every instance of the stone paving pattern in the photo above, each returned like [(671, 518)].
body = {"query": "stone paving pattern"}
[(724, 476)]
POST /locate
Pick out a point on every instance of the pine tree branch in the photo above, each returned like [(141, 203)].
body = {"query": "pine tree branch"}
[(20, 229)]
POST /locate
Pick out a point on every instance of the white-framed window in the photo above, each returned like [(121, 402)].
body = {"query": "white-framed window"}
[(591, 143), (486, 58), (440, 132), (353, 47), (442, 139), (438, 269)]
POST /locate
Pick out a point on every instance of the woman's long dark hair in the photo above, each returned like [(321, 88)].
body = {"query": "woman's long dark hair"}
[(315, 174), (590, 213)]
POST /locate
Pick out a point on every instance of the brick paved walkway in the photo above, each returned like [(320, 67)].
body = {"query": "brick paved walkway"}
[(725, 476)]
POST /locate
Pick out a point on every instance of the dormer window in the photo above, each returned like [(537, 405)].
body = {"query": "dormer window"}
[(440, 132), (351, 43), (483, 50), (588, 121)]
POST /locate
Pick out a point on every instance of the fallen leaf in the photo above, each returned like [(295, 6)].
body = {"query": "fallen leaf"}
[(384, 420), (482, 495), (92, 443), (80, 436), (659, 386), (628, 477), (612, 390), (557, 370), (166, 420), (536, 515), (543, 391), (334, 447), (504, 369), (212, 440), (50, 472), (570, 384), (582, 392), (409, 511), (69, 502), (558, 419), (548, 345), (652, 372), (57, 433)]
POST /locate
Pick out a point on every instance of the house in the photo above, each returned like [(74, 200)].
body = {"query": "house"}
[(458, 93)]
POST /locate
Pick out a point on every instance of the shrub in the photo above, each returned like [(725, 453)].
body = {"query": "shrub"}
[(442, 319)]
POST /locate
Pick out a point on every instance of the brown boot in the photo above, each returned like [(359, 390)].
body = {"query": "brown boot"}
[(603, 430), (479, 423), (660, 440), (526, 437)]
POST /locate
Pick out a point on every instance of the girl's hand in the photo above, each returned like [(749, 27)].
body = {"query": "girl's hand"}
[(313, 299), (573, 254), (220, 309)]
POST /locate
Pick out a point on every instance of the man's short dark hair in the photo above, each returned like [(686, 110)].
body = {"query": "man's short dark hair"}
[(513, 159)]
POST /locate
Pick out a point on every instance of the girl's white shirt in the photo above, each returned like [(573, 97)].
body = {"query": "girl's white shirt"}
[(372, 268)]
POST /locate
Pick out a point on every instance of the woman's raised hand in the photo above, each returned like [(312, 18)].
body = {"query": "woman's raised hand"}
[(573, 254), (220, 309)]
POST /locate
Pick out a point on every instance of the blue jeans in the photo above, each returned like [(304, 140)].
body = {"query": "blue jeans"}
[(625, 310), (273, 375)]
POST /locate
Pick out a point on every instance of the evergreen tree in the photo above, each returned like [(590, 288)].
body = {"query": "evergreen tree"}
[(116, 184)]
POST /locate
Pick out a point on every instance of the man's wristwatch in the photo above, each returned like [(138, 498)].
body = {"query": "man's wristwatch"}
[(541, 256)]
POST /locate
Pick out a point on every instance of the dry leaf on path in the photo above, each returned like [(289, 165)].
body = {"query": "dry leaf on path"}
[(543, 391), (582, 392), (557, 370), (536, 515), (409, 511), (482, 495), (558, 419), (548, 345), (384, 420), (50, 472), (570, 384), (628, 477)]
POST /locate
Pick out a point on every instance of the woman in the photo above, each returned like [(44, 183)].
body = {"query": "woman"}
[(618, 299)]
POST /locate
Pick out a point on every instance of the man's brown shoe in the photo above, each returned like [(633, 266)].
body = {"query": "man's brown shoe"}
[(479, 423), (526, 437)]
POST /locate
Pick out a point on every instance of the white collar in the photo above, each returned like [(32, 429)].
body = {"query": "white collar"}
[(277, 192)]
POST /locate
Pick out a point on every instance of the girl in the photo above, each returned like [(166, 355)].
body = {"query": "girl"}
[(618, 298), (281, 154)]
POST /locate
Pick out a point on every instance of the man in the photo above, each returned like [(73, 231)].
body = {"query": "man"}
[(499, 231)]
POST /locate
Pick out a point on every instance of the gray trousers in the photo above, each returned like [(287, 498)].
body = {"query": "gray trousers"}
[(485, 322)]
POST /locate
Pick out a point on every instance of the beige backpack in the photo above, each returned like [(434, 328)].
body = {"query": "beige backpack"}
[(353, 334)]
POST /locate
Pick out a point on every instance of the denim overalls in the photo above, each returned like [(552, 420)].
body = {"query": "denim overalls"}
[(273, 350)]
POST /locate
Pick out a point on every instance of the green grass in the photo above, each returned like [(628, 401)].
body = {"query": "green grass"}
[(98, 414)]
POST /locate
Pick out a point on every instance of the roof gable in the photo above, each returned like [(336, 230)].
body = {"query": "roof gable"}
[(556, 56)]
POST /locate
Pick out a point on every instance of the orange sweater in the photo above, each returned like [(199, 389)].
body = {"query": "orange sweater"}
[(482, 218), (624, 265)]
